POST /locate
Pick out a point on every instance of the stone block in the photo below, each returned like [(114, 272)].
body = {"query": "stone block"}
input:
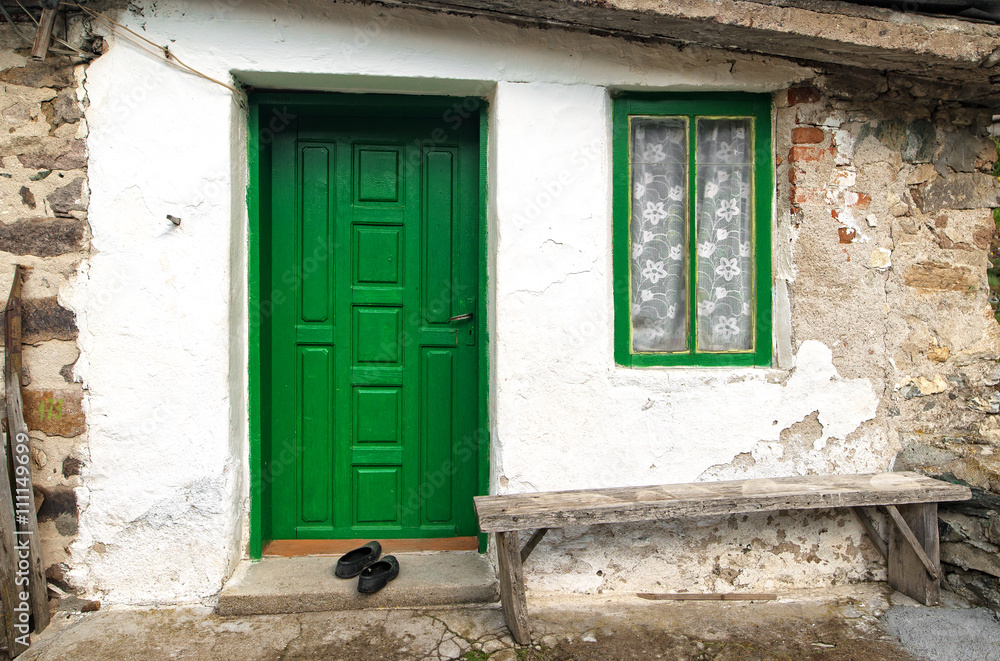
[(968, 557), (937, 276), (797, 95), (958, 191), (55, 155), (64, 109), (820, 116), (55, 412), (27, 197), (55, 71), (42, 237), (67, 198), (958, 153), (60, 507), (44, 319), (921, 174), (72, 466), (921, 142)]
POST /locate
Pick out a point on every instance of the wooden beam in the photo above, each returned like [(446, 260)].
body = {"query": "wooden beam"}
[(866, 522), (515, 606), (19, 447), (12, 328), (559, 509), (8, 556), (914, 552), (43, 35), (532, 543), (24, 505), (917, 546), (695, 596)]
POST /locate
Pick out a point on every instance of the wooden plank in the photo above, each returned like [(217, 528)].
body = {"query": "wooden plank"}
[(12, 328), (299, 547), (911, 539), (532, 543), (869, 527), (43, 34), (515, 606), (557, 509), (8, 557), (24, 505), (694, 596), (907, 567), (19, 449)]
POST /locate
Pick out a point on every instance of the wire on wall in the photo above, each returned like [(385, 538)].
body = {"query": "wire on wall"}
[(144, 44)]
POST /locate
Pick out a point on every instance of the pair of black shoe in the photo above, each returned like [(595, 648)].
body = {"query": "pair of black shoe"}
[(373, 574)]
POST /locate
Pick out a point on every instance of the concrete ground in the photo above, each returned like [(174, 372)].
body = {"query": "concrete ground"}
[(858, 622)]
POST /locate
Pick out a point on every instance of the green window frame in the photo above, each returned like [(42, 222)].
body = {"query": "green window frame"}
[(687, 110)]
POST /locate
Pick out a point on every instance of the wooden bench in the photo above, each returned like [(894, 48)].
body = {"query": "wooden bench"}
[(911, 552)]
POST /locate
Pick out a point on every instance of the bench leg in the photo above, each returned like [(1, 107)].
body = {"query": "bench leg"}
[(515, 607), (906, 569)]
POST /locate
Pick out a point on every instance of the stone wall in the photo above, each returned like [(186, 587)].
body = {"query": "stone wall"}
[(890, 193), (43, 226)]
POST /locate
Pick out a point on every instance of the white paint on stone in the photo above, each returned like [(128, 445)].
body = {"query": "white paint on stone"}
[(161, 313)]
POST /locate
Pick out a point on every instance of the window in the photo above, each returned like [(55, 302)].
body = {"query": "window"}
[(692, 218)]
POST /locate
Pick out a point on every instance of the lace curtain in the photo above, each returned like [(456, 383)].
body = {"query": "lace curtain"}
[(659, 235)]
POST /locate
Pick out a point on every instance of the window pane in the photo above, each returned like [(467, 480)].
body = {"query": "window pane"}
[(658, 234), (724, 232)]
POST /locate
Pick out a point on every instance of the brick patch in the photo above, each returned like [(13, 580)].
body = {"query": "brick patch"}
[(807, 135)]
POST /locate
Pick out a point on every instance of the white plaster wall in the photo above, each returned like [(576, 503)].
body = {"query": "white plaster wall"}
[(161, 313)]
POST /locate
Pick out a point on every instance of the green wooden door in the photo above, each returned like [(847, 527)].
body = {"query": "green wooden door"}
[(374, 347)]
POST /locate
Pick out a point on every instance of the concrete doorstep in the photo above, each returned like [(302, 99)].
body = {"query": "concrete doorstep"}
[(307, 585)]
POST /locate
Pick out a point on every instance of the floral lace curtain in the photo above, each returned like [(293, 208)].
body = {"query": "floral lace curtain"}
[(659, 243), (659, 234)]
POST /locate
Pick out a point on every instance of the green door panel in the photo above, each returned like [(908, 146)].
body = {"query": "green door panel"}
[(371, 384)]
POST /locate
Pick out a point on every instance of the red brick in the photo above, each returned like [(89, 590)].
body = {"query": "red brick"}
[(806, 196), (862, 202), (797, 95), (806, 153), (847, 234), (807, 135)]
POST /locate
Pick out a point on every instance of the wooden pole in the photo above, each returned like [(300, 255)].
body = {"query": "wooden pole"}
[(29, 546), (29, 575), (697, 596), (43, 35)]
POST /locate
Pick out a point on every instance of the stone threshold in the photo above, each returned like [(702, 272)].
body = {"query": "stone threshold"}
[(307, 584)]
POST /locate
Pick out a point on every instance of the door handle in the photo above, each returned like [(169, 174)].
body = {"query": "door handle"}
[(461, 317)]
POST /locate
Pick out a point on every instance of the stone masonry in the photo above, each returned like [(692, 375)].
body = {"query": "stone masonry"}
[(43, 226), (890, 191)]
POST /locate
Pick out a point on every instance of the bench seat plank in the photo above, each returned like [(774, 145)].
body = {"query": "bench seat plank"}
[(559, 509)]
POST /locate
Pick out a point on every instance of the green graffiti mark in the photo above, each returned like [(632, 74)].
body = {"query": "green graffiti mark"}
[(50, 409)]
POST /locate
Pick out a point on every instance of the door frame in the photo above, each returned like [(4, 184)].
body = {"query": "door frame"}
[(268, 114)]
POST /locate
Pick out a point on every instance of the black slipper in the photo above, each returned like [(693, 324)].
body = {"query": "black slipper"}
[(375, 576), (352, 562)]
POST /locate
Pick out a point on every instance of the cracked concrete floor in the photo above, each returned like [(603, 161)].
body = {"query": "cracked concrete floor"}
[(843, 624)]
